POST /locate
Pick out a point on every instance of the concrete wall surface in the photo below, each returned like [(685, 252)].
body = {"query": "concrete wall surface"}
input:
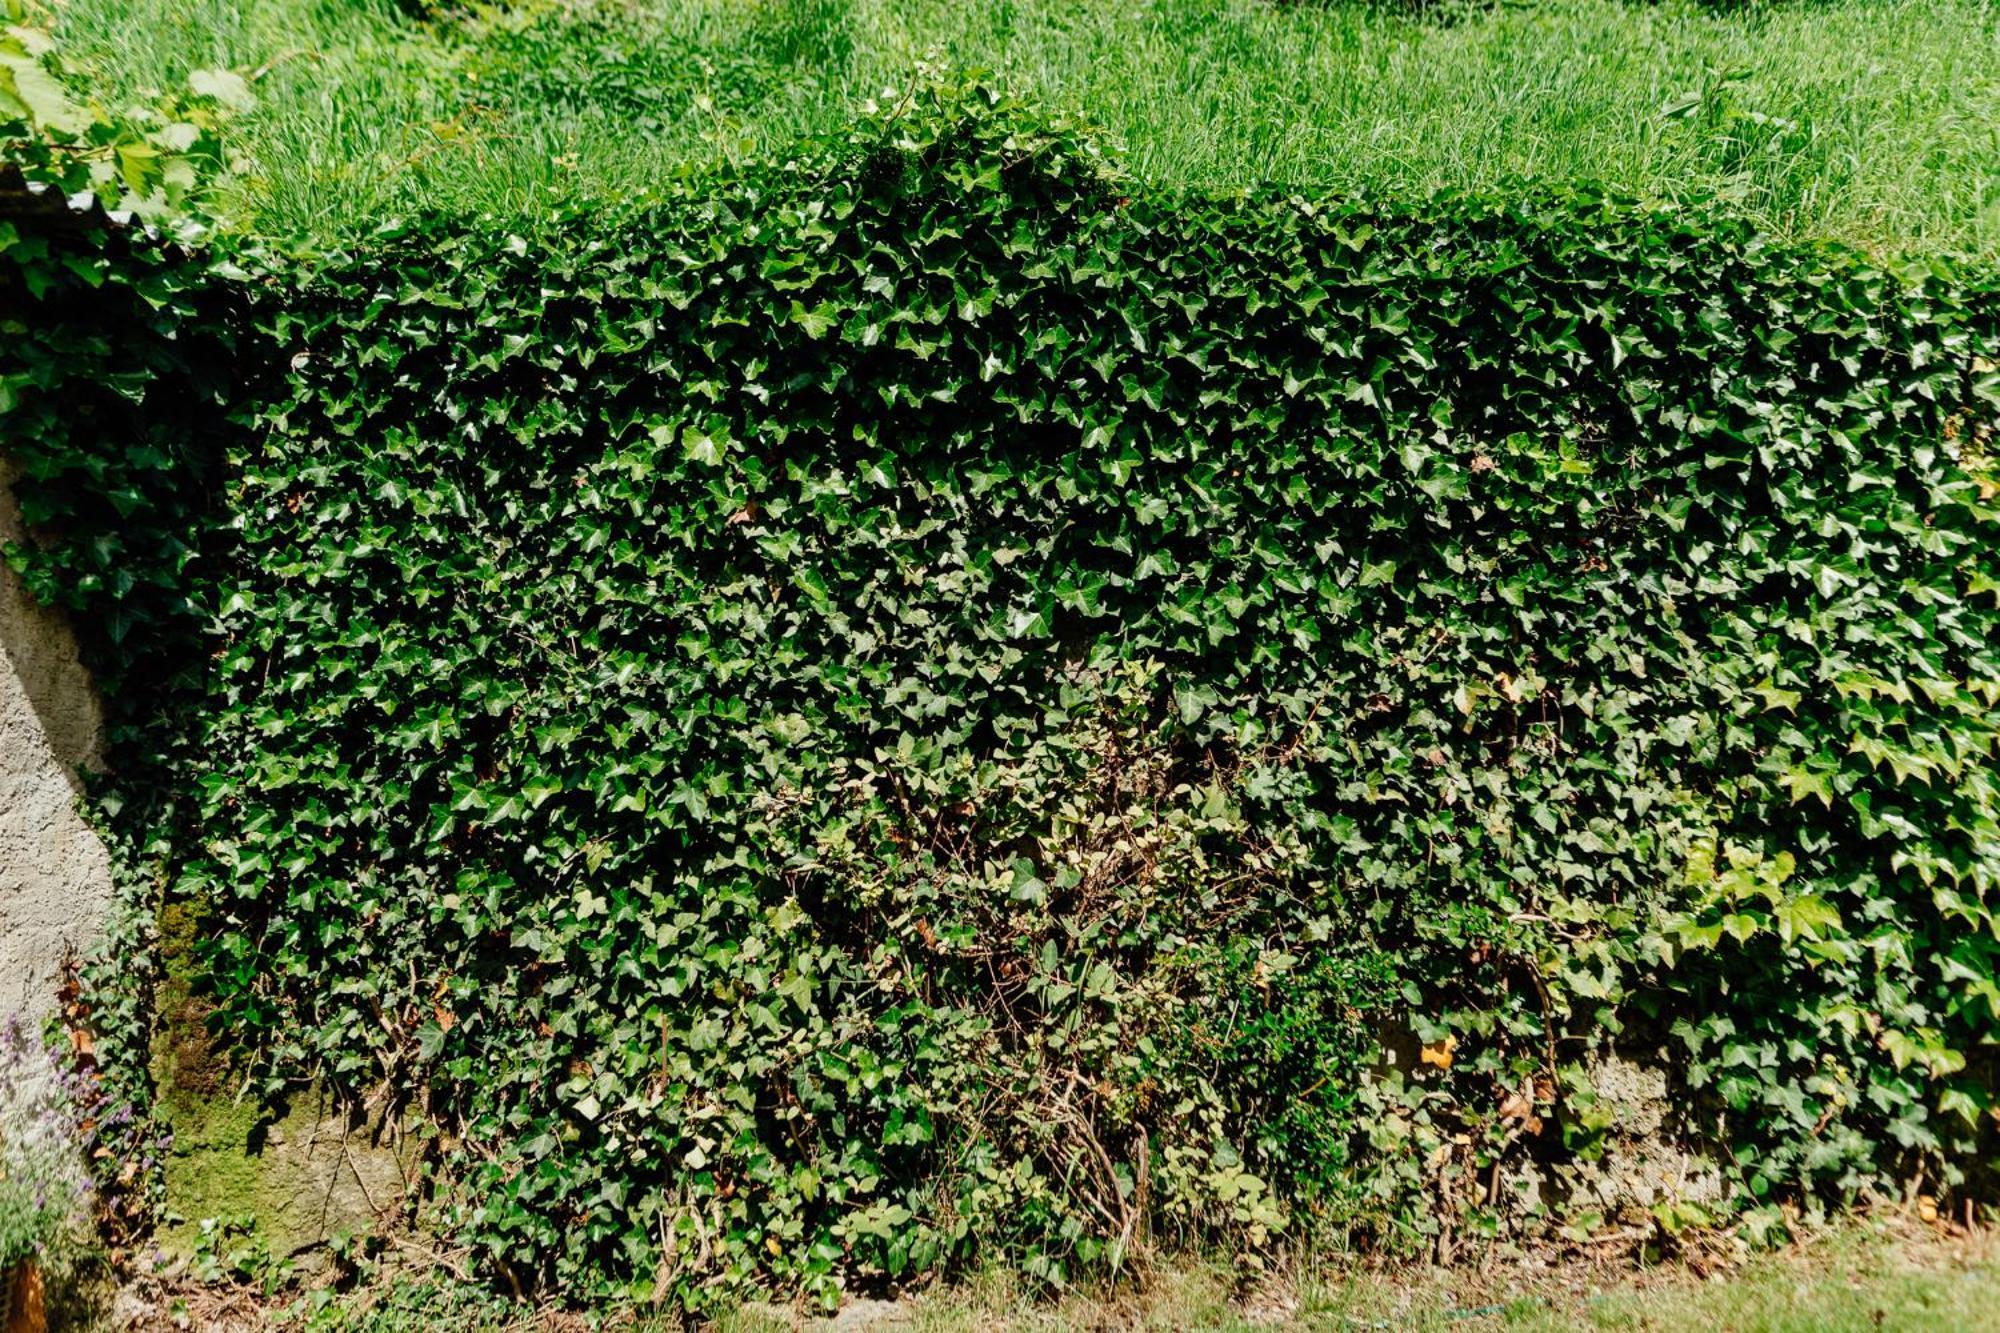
[(55, 878)]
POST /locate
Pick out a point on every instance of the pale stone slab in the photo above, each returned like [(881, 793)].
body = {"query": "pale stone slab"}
[(55, 877)]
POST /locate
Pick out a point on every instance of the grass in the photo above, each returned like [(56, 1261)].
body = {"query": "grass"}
[(1875, 122), (1865, 1276), (1885, 1272)]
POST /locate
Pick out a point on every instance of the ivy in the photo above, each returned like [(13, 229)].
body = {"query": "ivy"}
[(926, 702)]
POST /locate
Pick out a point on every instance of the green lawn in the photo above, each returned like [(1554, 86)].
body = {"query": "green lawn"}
[(1873, 121), (1860, 1278)]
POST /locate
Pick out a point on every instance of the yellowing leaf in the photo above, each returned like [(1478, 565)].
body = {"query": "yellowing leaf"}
[(1439, 1053)]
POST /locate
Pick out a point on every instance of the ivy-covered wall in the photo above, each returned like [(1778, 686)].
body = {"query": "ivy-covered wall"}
[(928, 703)]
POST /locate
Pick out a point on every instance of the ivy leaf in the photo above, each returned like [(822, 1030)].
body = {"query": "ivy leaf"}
[(225, 86), (37, 95), (1802, 782), (705, 446), (1806, 916), (817, 322)]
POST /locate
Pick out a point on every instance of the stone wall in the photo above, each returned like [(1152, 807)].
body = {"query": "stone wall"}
[(55, 878)]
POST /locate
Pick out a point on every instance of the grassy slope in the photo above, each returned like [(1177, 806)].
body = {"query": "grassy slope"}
[(1874, 121)]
